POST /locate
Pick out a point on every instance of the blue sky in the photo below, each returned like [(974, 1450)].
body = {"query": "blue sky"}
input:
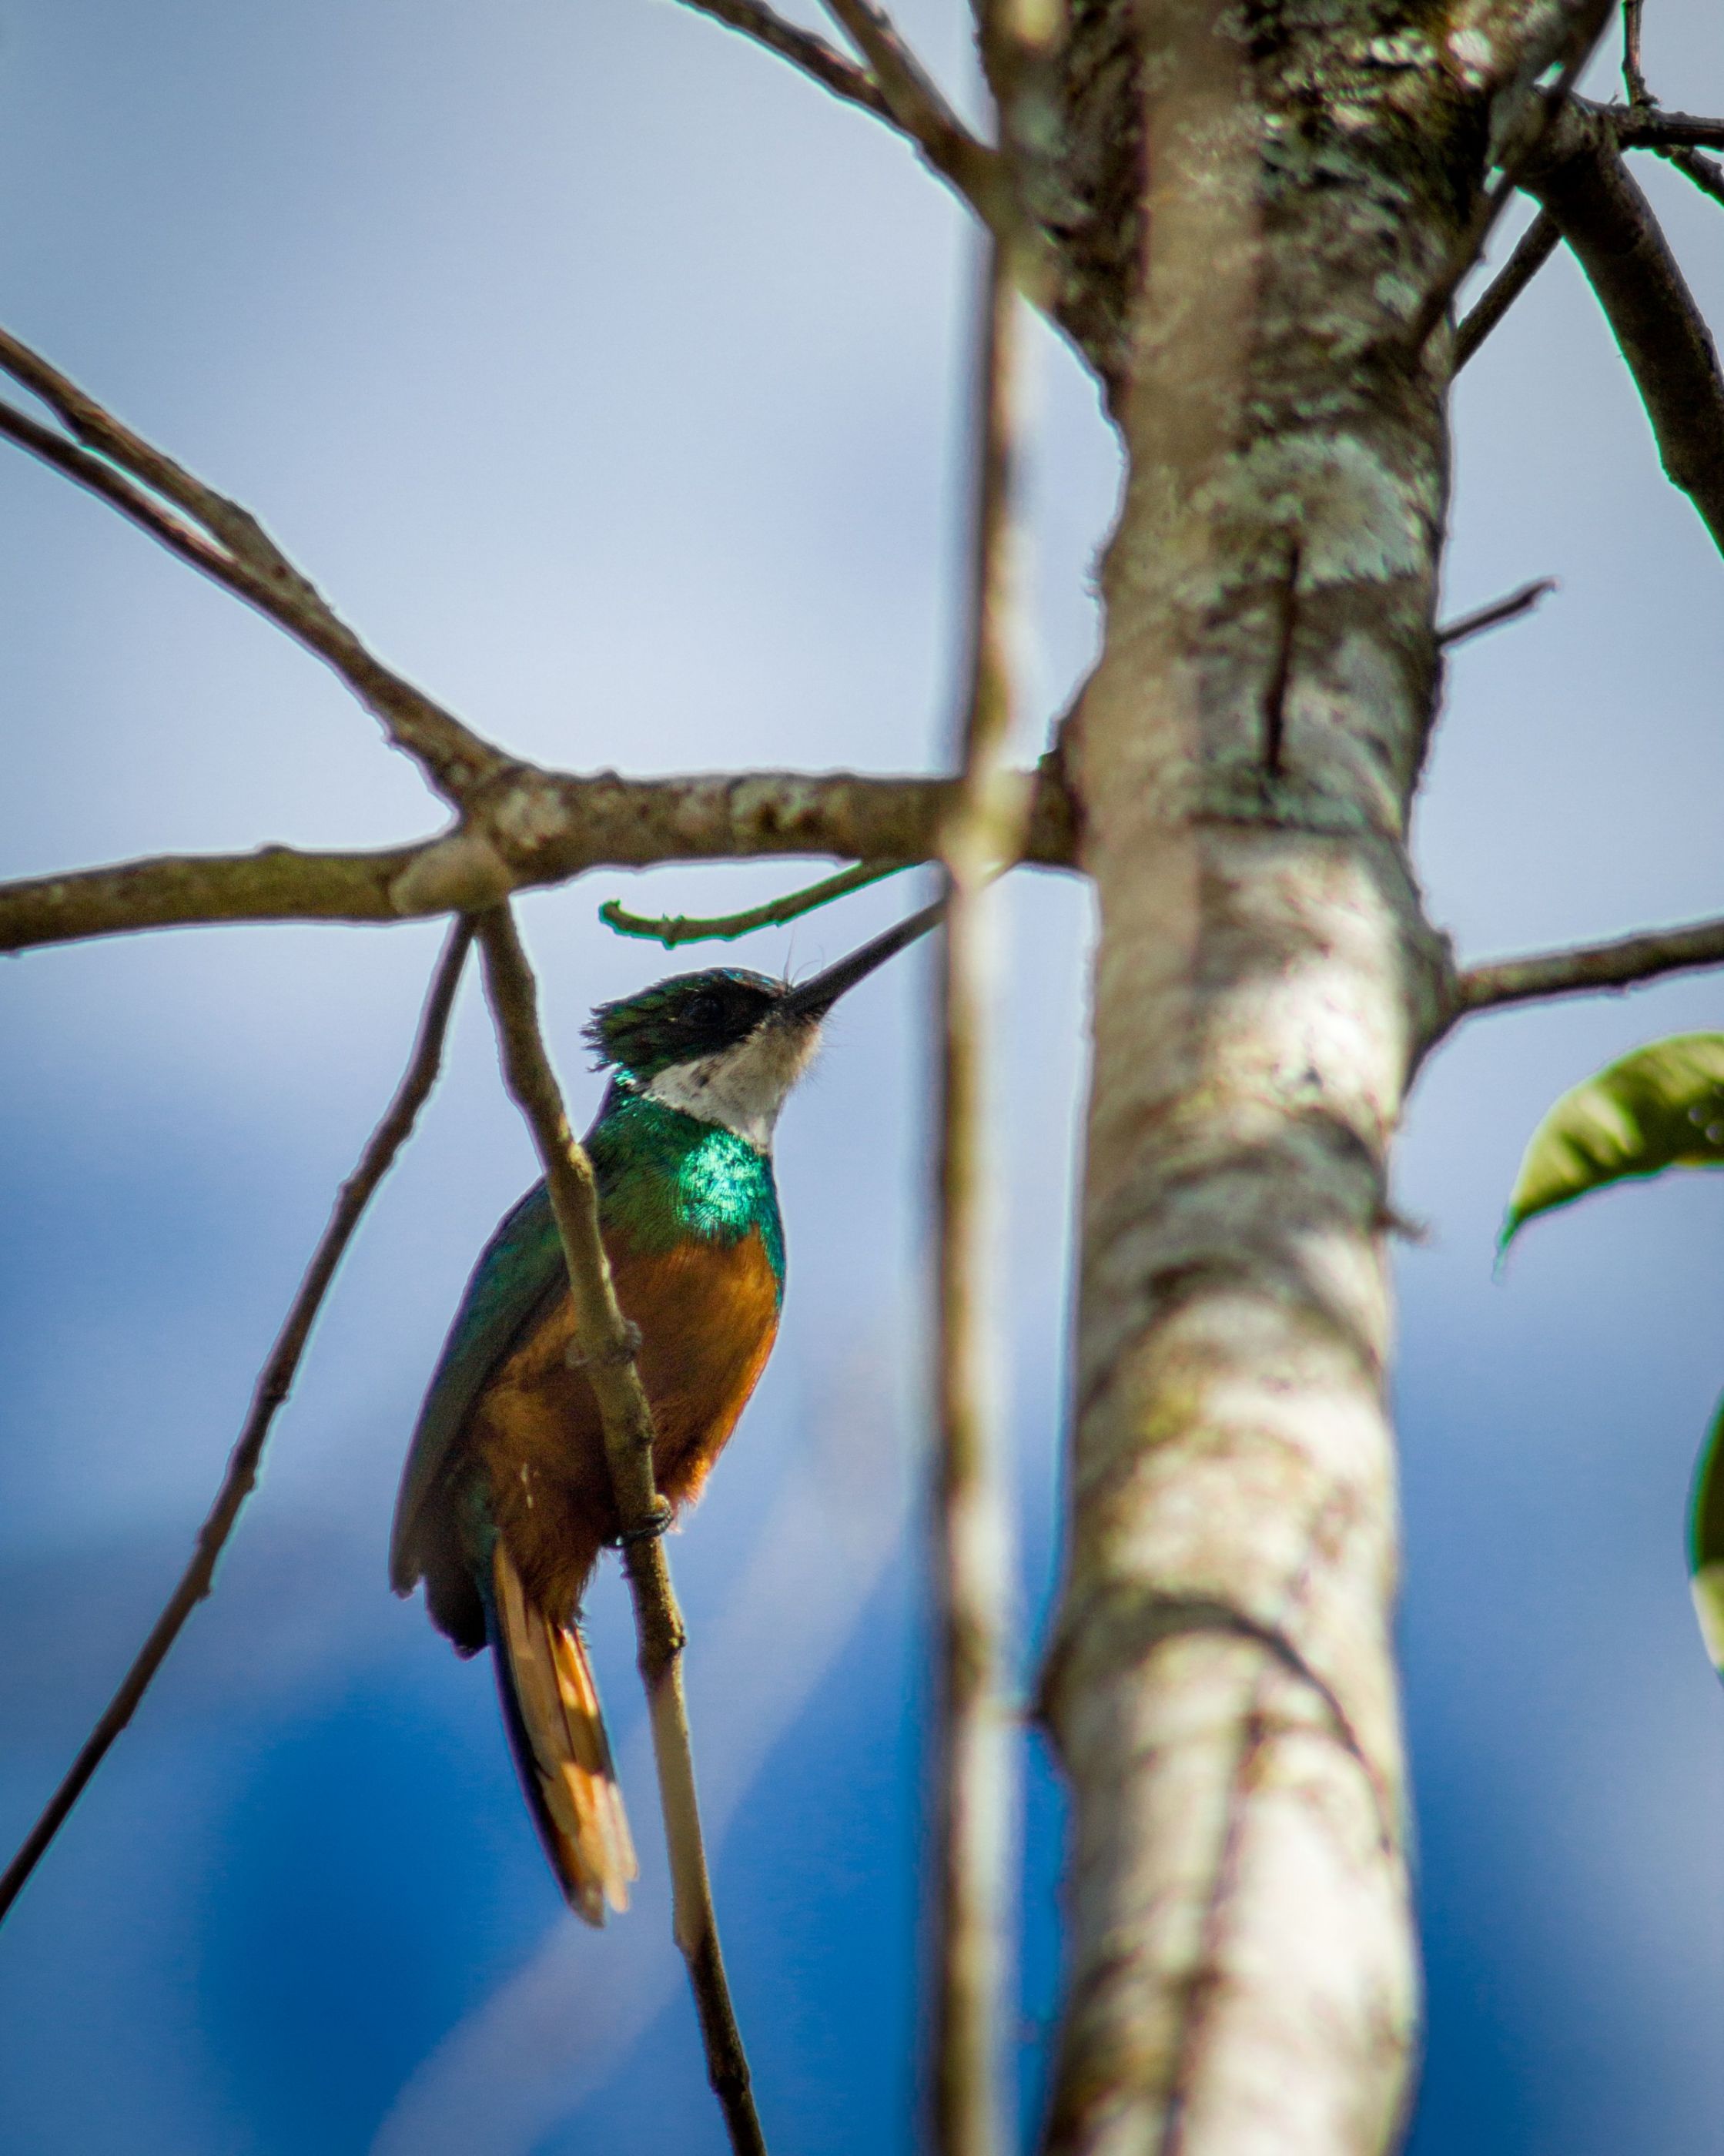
[(607, 375)]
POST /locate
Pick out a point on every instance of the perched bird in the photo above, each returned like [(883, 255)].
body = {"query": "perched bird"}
[(505, 1502)]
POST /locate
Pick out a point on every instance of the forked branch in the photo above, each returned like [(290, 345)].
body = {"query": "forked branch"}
[(1538, 114), (894, 86), (273, 1387), (227, 544), (518, 825), (1650, 127), (607, 1342), (802, 49), (919, 109), (1679, 138)]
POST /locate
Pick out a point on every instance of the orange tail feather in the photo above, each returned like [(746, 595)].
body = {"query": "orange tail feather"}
[(550, 1703)]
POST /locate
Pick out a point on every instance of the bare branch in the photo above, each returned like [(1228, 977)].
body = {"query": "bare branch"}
[(1677, 137), (1703, 171), (273, 1387), (1579, 176), (911, 93), (1626, 962), (558, 825), (184, 891), (1494, 615), (238, 555), (1649, 127), (1633, 74), (898, 89), (672, 929), (1537, 117), (131, 502), (919, 107), (827, 66), (608, 1342), (973, 1549), (1532, 250), (1640, 126), (97, 428)]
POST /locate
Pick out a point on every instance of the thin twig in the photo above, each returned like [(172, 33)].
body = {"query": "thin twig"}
[(912, 96), (1494, 615), (973, 1511), (608, 1342), (95, 427), (919, 109), (89, 471), (671, 929), (272, 1386), (1537, 118), (827, 66), (1532, 250), (233, 548), (1632, 72), (893, 87), (1703, 171), (1625, 962)]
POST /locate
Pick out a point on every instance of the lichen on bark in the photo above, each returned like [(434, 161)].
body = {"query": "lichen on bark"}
[(1222, 1691)]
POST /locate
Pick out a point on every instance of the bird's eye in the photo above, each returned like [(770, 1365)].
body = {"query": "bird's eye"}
[(704, 1010)]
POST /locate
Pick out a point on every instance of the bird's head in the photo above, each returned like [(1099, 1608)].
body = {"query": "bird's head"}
[(725, 1046)]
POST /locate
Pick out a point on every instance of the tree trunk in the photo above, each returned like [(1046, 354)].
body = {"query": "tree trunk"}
[(1255, 224)]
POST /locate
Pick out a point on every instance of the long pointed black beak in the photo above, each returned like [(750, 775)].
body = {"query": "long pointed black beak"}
[(815, 998)]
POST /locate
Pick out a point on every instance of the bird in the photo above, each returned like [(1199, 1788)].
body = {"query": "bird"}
[(506, 1499)]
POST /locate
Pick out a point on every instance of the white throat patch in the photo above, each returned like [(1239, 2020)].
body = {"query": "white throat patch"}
[(740, 1088)]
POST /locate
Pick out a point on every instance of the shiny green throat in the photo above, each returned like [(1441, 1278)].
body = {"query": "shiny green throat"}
[(666, 1176)]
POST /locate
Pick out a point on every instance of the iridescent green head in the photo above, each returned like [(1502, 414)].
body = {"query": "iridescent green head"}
[(725, 1046)]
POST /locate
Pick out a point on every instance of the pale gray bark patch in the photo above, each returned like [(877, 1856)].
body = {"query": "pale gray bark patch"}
[(1223, 1689)]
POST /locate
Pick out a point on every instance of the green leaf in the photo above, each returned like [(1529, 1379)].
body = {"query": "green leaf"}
[(1706, 1541), (1661, 1107)]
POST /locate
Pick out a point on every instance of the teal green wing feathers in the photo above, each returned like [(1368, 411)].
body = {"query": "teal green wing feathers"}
[(520, 1275)]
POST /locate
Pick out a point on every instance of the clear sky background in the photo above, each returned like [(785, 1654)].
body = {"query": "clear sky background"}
[(608, 376)]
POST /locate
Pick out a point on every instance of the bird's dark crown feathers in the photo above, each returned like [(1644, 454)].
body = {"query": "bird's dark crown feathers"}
[(681, 1019)]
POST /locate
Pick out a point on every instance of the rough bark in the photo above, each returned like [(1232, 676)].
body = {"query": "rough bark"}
[(1269, 214)]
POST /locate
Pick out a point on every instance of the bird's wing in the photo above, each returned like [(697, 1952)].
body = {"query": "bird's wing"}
[(520, 1274)]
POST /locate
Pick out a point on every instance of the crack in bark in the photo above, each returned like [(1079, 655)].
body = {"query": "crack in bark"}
[(1275, 703)]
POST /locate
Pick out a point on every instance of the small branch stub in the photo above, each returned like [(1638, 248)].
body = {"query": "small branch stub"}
[(1494, 615)]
